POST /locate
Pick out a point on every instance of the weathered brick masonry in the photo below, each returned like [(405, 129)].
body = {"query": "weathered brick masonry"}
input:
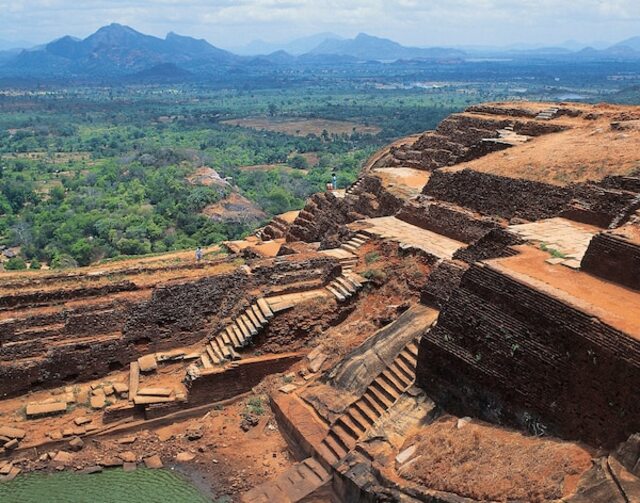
[(513, 355)]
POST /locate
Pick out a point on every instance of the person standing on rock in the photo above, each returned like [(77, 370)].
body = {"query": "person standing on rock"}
[(334, 181), (198, 254)]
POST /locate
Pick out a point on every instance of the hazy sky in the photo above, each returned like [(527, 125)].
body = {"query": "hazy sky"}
[(229, 23)]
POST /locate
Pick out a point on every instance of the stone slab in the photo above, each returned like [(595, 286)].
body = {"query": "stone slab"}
[(45, 409), (11, 432), (148, 363), (155, 391)]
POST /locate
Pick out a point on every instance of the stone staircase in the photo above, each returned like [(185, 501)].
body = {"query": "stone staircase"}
[(355, 242), (547, 114), (275, 229), (294, 485), (355, 187), (379, 397), (224, 346), (346, 285)]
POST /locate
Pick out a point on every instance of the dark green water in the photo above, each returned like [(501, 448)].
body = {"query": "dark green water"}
[(109, 486)]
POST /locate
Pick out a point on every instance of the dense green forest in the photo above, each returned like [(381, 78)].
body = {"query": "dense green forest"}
[(94, 173)]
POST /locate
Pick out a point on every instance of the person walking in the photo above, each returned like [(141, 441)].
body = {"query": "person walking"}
[(198, 254), (334, 181)]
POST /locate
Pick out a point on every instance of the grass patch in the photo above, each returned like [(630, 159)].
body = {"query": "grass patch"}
[(554, 253), (255, 406), (372, 257)]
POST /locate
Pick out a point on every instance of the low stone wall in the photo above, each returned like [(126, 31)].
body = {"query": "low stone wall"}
[(613, 258), (216, 386), (509, 354)]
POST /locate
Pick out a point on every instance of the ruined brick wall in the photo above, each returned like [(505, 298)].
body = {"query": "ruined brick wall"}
[(179, 314), (518, 198), (613, 258), (324, 214), (512, 355), (447, 220), (497, 243), (211, 387), (442, 282), (498, 195), (87, 342)]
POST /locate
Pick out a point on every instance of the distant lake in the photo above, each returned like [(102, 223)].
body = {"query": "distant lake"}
[(110, 486)]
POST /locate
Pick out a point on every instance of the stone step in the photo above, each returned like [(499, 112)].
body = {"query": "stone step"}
[(325, 451), (206, 362), (393, 385), (351, 279), (264, 307), (354, 430), (408, 359), (218, 360), (413, 349), (407, 371), (252, 318), (363, 236), (369, 400), (398, 375), (134, 379), (346, 285), (336, 294), (239, 335), (317, 469), (349, 247), (231, 333), (381, 394), (359, 240), (337, 286), (225, 337), (234, 355), (247, 323), (362, 414), (243, 328), (335, 445), (258, 314), (343, 436), (356, 420), (224, 350)]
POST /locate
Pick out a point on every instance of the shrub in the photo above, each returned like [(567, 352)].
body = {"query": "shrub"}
[(15, 264), (35, 264)]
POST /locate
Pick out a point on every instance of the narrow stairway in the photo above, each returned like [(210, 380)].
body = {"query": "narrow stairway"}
[(379, 397), (346, 285), (297, 483), (547, 114), (224, 346)]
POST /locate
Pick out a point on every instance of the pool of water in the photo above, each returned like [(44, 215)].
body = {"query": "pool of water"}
[(110, 486)]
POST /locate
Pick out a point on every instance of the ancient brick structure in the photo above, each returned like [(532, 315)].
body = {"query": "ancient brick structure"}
[(614, 258), (511, 354)]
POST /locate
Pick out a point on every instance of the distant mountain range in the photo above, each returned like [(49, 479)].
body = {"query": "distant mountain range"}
[(120, 52), (295, 47), (366, 47)]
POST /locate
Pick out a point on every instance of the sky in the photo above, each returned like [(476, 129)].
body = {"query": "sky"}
[(235, 23)]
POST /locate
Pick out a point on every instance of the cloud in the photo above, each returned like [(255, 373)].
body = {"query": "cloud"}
[(418, 22)]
